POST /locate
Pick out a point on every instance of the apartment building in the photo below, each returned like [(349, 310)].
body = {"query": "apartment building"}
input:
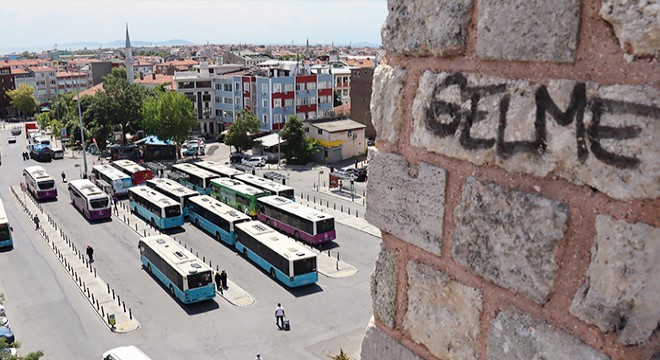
[(71, 81), (46, 82)]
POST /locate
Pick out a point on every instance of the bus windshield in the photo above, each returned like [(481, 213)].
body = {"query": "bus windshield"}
[(98, 203), (304, 266), (325, 226), (199, 280), (172, 211), (4, 232), (48, 184), (287, 194)]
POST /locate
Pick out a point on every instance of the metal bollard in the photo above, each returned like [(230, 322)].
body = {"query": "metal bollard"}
[(337, 265), (349, 211), (130, 314), (102, 312), (356, 213), (118, 300), (113, 294), (108, 288), (145, 232), (124, 305), (337, 255), (97, 304), (94, 272), (93, 300), (204, 259), (342, 208)]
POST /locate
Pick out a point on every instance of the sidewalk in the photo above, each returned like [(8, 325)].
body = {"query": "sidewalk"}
[(234, 294), (99, 295)]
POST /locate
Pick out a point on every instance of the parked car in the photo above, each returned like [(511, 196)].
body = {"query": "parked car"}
[(257, 161), (57, 153), (237, 158), (359, 174), (7, 334), (16, 131), (192, 150), (11, 140), (271, 175), (125, 353)]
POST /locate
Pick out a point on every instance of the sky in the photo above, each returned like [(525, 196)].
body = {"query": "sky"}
[(40, 24)]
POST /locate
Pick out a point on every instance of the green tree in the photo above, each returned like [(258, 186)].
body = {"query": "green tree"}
[(23, 100), (43, 119), (241, 131), (298, 148), (169, 115)]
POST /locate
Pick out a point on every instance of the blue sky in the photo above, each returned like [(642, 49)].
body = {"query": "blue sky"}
[(39, 24)]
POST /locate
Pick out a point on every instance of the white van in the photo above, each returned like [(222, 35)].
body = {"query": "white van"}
[(125, 353)]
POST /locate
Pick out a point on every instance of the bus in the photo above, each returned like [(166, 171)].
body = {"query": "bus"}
[(274, 188), (197, 179), (216, 218), (174, 191), (186, 277), (39, 183), (217, 168), (39, 152), (237, 195), (309, 225), (5, 229), (156, 208), (89, 199), (285, 260), (138, 173), (119, 181)]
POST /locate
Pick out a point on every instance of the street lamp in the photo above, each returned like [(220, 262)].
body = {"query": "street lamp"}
[(82, 134)]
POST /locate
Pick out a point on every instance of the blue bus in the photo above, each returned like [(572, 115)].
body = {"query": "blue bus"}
[(185, 276), (280, 256), (5, 228), (156, 208), (215, 217), (195, 178), (174, 191)]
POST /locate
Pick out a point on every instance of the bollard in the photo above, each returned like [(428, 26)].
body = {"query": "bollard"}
[(342, 208), (328, 253), (203, 259), (216, 268), (97, 304), (210, 265), (93, 300), (124, 305), (130, 314), (128, 221), (334, 205), (108, 288), (118, 300), (356, 213), (307, 197), (337, 265), (145, 231), (349, 211), (314, 197), (113, 293), (197, 254), (102, 312), (136, 229), (337, 255), (94, 272)]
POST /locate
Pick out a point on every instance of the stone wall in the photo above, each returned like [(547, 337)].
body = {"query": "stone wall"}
[(517, 181)]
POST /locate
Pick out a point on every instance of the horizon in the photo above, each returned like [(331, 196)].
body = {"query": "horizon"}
[(102, 22)]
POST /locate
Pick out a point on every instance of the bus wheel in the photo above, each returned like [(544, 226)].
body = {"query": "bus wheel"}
[(272, 273), (153, 223), (268, 222), (296, 235)]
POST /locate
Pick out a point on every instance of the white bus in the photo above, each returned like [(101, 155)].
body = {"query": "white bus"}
[(157, 209), (186, 277), (119, 181), (5, 228), (137, 172), (89, 199), (174, 191), (274, 188), (303, 223), (216, 218), (198, 179), (217, 168), (39, 183), (280, 256)]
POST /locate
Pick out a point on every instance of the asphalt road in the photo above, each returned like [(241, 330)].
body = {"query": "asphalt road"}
[(48, 313)]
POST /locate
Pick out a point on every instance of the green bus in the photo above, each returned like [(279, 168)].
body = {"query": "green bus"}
[(237, 195)]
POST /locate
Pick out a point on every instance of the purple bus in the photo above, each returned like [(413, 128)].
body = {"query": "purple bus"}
[(303, 223), (89, 199), (39, 183)]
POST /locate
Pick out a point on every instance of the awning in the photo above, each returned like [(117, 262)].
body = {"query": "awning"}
[(270, 140)]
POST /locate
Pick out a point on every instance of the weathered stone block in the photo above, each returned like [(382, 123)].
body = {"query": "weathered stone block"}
[(442, 314), (509, 237), (516, 336), (401, 197), (621, 291), (386, 101), (602, 136), (377, 345), (528, 30), (383, 287), (635, 24), (423, 28)]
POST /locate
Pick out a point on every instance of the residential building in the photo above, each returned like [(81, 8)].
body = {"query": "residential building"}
[(71, 81), (46, 82), (339, 139), (360, 109), (7, 83), (246, 58), (198, 87)]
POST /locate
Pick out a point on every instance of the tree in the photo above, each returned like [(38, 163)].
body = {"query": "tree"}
[(23, 100), (240, 132), (169, 115), (298, 148), (337, 98), (43, 119)]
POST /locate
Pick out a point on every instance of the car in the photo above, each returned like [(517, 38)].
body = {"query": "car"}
[(237, 158), (16, 131), (11, 140), (359, 174), (192, 150), (7, 334), (125, 353), (271, 175), (257, 161)]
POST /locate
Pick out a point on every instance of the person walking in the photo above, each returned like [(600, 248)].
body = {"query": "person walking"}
[(90, 253), (279, 316), (218, 282), (63, 176), (223, 279), (36, 221), (258, 357), (115, 200)]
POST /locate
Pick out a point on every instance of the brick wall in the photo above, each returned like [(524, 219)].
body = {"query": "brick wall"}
[(517, 181)]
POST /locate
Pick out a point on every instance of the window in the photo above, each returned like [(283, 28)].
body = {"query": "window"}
[(217, 86), (277, 103), (226, 87), (320, 131), (246, 87), (246, 102), (237, 86), (264, 103), (300, 86), (277, 88), (228, 100), (238, 100), (217, 100), (265, 119), (264, 88), (288, 102), (288, 87), (277, 118), (311, 86)]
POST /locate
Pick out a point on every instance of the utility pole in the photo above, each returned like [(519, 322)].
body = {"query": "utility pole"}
[(82, 133)]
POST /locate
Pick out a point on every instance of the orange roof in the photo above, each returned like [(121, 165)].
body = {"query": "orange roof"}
[(159, 80), (344, 109), (20, 63), (18, 71), (93, 90), (42, 68), (70, 74), (360, 62), (186, 63)]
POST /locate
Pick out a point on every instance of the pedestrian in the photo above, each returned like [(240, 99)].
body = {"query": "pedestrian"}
[(90, 253), (258, 357), (356, 162), (63, 176), (36, 221), (279, 316), (218, 282), (223, 279), (115, 200)]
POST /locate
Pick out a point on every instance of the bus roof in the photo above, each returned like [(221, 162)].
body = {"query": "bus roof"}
[(175, 254), (275, 240), (37, 172), (224, 211), (87, 188), (111, 172), (153, 196), (191, 169), (172, 186), (238, 186), (262, 182), (295, 208), (129, 165), (218, 168)]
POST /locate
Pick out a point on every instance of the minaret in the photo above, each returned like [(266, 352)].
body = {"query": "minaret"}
[(129, 58)]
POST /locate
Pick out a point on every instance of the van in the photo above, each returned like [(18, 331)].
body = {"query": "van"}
[(57, 153), (125, 353)]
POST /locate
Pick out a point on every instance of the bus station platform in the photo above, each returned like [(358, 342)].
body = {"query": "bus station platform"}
[(104, 301)]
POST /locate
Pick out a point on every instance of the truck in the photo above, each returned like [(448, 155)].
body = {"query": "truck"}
[(32, 125)]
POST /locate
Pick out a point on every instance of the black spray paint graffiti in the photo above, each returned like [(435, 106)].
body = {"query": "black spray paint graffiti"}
[(586, 138)]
